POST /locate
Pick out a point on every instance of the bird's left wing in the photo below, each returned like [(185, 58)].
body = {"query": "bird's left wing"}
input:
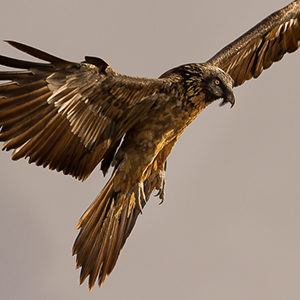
[(69, 116), (262, 45)]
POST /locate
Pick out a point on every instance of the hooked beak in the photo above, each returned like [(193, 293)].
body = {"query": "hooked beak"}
[(229, 97)]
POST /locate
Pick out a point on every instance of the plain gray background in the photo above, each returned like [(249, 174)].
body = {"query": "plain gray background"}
[(229, 227)]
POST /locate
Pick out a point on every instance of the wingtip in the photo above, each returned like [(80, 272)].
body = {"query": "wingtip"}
[(36, 52), (12, 43)]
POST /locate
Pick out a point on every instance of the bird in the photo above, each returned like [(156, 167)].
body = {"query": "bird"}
[(71, 117)]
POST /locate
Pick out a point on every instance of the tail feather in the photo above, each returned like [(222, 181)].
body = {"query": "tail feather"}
[(109, 220), (89, 234), (104, 228), (96, 256)]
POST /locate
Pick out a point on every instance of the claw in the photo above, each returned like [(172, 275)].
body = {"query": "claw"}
[(158, 193), (140, 196), (143, 193), (161, 186), (139, 201), (161, 201)]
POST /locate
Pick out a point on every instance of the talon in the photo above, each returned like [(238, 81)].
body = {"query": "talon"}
[(158, 193), (141, 187), (140, 195), (139, 201), (161, 201)]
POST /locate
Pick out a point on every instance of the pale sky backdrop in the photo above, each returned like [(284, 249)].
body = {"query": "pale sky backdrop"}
[(230, 225)]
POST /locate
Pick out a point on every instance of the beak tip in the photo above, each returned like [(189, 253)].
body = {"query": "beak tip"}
[(231, 99)]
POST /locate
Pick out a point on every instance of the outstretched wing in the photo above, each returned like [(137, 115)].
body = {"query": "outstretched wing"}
[(262, 45), (69, 116)]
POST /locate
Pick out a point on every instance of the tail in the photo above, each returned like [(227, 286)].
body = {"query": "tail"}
[(104, 228)]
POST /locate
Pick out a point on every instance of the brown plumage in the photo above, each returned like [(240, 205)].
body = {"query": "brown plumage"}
[(72, 116)]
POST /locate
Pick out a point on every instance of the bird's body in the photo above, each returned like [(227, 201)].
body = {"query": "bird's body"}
[(140, 163), (72, 116)]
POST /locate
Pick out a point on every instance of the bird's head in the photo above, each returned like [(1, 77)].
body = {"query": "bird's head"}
[(217, 84), (199, 78)]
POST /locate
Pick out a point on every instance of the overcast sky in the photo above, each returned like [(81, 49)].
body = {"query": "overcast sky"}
[(229, 227)]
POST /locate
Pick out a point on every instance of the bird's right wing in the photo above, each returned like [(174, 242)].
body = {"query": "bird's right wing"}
[(262, 45), (69, 116)]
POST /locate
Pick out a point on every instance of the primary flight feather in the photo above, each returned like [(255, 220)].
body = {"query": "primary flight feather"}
[(72, 116)]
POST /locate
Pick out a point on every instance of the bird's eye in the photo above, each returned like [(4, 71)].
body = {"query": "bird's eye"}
[(217, 82)]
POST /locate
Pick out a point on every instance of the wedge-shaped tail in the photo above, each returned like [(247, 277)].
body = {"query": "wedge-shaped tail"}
[(104, 228)]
